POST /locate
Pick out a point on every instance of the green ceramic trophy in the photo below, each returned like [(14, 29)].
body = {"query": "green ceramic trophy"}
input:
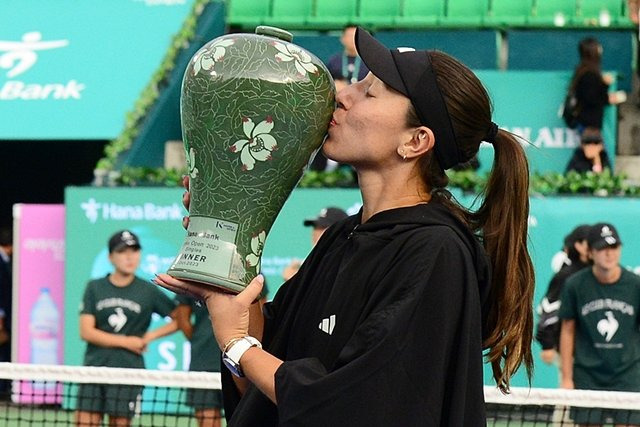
[(254, 108)]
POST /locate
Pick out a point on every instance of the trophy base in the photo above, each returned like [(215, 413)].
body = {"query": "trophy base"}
[(210, 256), (209, 280)]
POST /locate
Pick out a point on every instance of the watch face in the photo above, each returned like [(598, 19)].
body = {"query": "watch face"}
[(232, 366)]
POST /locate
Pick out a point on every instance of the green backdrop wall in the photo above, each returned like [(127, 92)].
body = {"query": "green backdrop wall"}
[(93, 214)]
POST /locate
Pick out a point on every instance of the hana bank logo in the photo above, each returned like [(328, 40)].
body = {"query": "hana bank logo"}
[(21, 56), (110, 211), (18, 57)]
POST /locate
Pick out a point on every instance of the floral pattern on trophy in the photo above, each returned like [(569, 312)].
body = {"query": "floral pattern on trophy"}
[(257, 244), (191, 163), (259, 144), (206, 59), (259, 94), (302, 60)]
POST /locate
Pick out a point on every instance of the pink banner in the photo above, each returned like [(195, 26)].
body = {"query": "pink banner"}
[(39, 289)]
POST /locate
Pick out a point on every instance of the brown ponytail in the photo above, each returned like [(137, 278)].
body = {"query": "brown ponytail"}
[(501, 221), (503, 218)]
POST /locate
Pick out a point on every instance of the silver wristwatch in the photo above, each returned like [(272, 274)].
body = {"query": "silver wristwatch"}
[(231, 357)]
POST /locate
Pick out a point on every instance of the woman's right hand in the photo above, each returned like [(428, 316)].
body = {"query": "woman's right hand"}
[(186, 200)]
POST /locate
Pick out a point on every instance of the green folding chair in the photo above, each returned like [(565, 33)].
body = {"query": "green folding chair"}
[(510, 13), (465, 13), (290, 14), (553, 13), (247, 13), (603, 13), (333, 14), (378, 13), (420, 13)]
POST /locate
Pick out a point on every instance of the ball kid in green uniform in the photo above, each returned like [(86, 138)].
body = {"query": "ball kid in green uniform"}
[(600, 338), (114, 319)]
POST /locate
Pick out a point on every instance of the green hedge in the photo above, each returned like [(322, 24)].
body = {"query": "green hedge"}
[(546, 184)]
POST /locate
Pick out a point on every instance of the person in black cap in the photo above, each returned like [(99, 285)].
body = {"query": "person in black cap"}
[(577, 257), (114, 319), (600, 338), (387, 320), (325, 219), (591, 155)]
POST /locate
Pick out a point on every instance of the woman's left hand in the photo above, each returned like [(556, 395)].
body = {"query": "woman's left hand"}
[(229, 313)]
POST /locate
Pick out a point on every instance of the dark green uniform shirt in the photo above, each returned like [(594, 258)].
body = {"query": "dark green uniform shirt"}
[(205, 354), (124, 311), (607, 342)]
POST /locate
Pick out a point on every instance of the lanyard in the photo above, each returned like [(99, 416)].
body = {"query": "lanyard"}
[(350, 71)]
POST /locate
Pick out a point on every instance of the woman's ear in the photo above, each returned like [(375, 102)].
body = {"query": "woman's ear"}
[(422, 140)]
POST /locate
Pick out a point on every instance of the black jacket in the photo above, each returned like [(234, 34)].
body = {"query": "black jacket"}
[(381, 326), (592, 95), (548, 328)]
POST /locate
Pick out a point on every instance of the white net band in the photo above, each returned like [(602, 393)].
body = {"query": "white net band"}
[(554, 397), (103, 375)]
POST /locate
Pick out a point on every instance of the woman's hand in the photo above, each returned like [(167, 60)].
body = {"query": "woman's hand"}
[(229, 313), (186, 200)]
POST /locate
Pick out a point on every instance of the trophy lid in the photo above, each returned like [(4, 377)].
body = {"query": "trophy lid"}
[(265, 30)]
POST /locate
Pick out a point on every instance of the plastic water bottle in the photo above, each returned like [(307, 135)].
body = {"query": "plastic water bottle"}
[(44, 330)]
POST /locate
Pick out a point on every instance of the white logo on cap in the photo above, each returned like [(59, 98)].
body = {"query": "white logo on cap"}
[(607, 234), (406, 49), (128, 238)]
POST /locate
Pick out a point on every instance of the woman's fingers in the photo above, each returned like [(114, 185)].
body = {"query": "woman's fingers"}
[(251, 293), (186, 200), (183, 287)]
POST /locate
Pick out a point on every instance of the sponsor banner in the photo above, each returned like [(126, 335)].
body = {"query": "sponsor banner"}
[(93, 215), (69, 69), (156, 215), (527, 104), (38, 291)]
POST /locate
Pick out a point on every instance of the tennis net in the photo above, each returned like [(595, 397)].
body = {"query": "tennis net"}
[(561, 407), (43, 395), (51, 395)]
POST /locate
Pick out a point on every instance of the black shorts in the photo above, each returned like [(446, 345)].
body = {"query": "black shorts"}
[(204, 398), (115, 400)]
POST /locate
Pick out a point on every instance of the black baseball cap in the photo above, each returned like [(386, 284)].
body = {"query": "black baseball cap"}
[(603, 235), (123, 239), (326, 218), (409, 71)]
